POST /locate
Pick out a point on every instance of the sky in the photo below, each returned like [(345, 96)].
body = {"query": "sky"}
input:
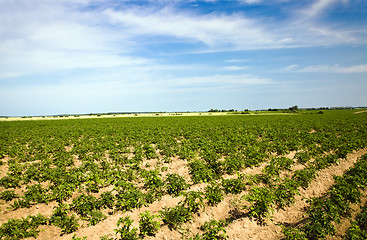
[(95, 56)]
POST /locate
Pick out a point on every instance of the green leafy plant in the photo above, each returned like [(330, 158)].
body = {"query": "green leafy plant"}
[(84, 204), (15, 229), (107, 237), (175, 184), (61, 218), (355, 232), (194, 201), (62, 192), (175, 216), (147, 224), (261, 200), (326, 211), (321, 215), (95, 217), (302, 157), (285, 192), (106, 200), (8, 195), (149, 152), (358, 230), (20, 203), (152, 180), (35, 193), (213, 229), (213, 193), (234, 186), (200, 172), (125, 230), (10, 181), (129, 198), (293, 234), (278, 164), (234, 163), (304, 176)]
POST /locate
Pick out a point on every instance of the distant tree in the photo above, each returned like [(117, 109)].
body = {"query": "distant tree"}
[(294, 108)]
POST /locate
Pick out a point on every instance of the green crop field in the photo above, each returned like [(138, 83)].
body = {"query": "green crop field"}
[(291, 176)]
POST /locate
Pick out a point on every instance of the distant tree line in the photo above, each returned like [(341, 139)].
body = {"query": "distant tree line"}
[(223, 110)]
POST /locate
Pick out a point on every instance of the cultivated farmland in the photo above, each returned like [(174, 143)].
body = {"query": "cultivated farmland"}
[(294, 176)]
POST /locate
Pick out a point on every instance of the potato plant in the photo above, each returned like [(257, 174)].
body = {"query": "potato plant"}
[(125, 230), (175, 184), (212, 229), (358, 229), (214, 194), (62, 218), (8, 195), (173, 217), (147, 224), (21, 228)]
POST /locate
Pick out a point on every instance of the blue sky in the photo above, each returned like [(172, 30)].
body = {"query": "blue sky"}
[(82, 56)]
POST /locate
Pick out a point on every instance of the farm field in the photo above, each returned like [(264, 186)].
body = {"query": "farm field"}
[(282, 176)]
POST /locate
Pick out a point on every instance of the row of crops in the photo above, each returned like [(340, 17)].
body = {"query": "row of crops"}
[(91, 169)]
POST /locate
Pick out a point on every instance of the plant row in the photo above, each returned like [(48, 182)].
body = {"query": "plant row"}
[(327, 210)]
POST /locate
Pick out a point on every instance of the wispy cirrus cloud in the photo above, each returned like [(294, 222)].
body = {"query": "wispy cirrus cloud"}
[(231, 82), (319, 6), (250, 1), (214, 30), (236, 31), (328, 69), (233, 68)]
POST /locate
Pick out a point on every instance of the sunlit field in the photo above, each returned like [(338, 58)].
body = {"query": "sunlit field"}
[(300, 175)]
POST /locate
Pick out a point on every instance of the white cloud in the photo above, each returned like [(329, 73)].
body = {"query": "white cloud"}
[(291, 67), (226, 81), (236, 60), (250, 1), (336, 69), (226, 32), (329, 68), (214, 30), (233, 68), (319, 6)]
